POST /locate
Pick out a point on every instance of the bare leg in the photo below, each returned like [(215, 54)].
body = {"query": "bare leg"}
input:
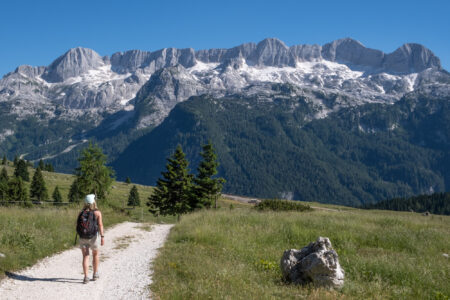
[(85, 252), (95, 260)]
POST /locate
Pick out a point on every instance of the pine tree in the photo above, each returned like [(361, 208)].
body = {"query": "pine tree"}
[(128, 180), (16, 160), (133, 198), (17, 192), (75, 194), (21, 170), (173, 192), (207, 189), (41, 165), (38, 190), (56, 196), (4, 160), (93, 176), (48, 167), (3, 187), (4, 175)]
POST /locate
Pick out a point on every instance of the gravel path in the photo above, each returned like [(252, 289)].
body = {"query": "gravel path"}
[(124, 270)]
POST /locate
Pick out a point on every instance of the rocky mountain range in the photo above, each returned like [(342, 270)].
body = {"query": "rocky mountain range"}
[(48, 112), (82, 80)]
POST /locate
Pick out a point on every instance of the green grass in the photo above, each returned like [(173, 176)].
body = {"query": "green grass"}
[(27, 235), (234, 254)]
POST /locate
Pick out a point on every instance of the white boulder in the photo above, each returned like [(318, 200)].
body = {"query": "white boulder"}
[(317, 263)]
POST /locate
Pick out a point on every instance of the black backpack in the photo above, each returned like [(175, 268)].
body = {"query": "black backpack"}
[(87, 226)]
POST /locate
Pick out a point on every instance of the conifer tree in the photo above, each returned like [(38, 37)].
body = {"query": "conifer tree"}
[(93, 176), (75, 194), (18, 192), (38, 190), (41, 165), (48, 167), (173, 192), (16, 160), (207, 188), (133, 198), (128, 180), (3, 187), (56, 196), (21, 170), (4, 160), (4, 175)]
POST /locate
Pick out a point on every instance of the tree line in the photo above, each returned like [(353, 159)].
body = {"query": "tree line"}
[(437, 203), (176, 193), (13, 188)]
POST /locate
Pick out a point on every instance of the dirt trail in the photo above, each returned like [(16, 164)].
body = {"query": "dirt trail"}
[(125, 269)]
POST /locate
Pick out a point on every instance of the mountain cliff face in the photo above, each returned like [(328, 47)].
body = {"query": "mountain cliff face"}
[(51, 111), (82, 79)]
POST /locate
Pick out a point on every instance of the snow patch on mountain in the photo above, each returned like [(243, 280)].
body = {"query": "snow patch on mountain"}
[(95, 77), (5, 133)]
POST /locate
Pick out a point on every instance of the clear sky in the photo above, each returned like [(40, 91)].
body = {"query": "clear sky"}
[(36, 32)]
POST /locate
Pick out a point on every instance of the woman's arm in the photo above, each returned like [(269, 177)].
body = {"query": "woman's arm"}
[(100, 226)]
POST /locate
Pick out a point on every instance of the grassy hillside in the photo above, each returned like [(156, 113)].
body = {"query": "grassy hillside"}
[(234, 254), (27, 235)]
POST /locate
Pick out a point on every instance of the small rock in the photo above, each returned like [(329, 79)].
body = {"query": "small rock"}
[(2, 255), (445, 255), (317, 263), (426, 214)]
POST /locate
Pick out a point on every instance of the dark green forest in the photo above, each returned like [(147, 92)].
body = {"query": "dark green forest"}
[(437, 203), (269, 148)]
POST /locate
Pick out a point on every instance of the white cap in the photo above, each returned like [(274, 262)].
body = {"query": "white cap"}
[(90, 199)]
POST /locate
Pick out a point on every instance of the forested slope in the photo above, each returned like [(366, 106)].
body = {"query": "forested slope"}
[(270, 148)]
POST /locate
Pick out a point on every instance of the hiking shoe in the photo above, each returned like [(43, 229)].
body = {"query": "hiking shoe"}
[(95, 277), (86, 280)]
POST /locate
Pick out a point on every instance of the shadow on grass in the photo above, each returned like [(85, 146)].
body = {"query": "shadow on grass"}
[(26, 278)]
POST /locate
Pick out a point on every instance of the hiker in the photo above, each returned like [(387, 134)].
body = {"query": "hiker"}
[(89, 225)]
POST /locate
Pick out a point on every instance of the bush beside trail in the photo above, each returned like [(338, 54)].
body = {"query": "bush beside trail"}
[(281, 205)]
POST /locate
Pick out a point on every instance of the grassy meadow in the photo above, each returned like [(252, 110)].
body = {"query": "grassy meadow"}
[(29, 234), (235, 253)]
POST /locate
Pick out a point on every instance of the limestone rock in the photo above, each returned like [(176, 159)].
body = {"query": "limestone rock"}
[(411, 58), (74, 62), (317, 263)]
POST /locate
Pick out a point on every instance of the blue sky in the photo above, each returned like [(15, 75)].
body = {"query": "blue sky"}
[(36, 32)]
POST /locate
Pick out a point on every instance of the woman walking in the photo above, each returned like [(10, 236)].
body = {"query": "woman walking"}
[(89, 225)]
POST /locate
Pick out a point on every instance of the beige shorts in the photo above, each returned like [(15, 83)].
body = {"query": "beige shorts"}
[(92, 243)]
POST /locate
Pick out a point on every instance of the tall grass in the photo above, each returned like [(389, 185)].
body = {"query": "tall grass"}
[(234, 254)]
